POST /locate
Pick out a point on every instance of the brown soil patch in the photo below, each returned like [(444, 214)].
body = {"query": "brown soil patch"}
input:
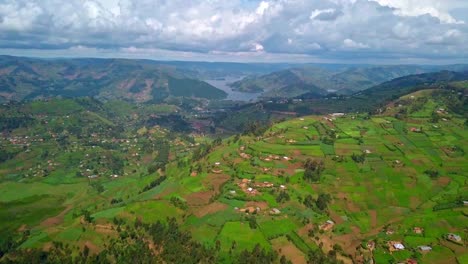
[(47, 246), (199, 198), (304, 231), (297, 153), (417, 162), (93, 249), (352, 207), (125, 85), (209, 209), (373, 218), (443, 181), (290, 251), (414, 202), (105, 229), (335, 217), (216, 180), (56, 220), (290, 170), (22, 228)]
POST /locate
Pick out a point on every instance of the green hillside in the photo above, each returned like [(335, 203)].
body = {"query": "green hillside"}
[(106, 79), (94, 181), (318, 79)]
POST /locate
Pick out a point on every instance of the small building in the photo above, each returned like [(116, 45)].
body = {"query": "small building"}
[(275, 211), (425, 248), (418, 230), (395, 246), (371, 245), (337, 114), (398, 246), (245, 156), (328, 225), (367, 151), (232, 192), (454, 237)]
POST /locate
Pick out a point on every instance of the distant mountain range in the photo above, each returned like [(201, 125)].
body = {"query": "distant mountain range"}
[(320, 80), (155, 81), (134, 80)]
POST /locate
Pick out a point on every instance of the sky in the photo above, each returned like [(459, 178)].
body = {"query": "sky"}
[(338, 31)]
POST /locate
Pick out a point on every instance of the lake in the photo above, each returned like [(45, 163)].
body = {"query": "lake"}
[(233, 95)]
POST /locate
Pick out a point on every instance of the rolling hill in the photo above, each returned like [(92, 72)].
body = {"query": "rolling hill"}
[(84, 181), (344, 80), (106, 79)]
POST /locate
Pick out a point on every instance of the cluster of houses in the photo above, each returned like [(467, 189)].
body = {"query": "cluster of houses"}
[(251, 188)]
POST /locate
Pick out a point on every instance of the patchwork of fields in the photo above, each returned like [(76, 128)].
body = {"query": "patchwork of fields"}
[(387, 179)]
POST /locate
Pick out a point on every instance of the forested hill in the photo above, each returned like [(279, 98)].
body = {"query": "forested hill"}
[(139, 81)]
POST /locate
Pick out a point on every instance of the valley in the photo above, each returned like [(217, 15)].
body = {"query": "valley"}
[(79, 175)]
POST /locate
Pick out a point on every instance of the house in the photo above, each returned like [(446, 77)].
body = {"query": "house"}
[(371, 245), (217, 163), (367, 151), (232, 192), (418, 230), (454, 237), (425, 248), (248, 210), (395, 246), (416, 130), (328, 225), (275, 211), (465, 203), (398, 246), (286, 158), (389, 232), (246, 181), (245, 156), (337, 114)]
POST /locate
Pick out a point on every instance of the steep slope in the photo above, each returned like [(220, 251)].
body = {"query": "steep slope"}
[(140, 81)]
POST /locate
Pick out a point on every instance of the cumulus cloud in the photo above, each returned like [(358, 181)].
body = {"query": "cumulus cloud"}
[(327, 29)]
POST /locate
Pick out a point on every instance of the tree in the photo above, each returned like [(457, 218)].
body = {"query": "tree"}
[(252, 222), (309, 201), (313, 170), (322, 201)]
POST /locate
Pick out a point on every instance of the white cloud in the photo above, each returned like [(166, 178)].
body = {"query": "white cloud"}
[(349, 43), (258, 47), (337, 29), (434, 8)]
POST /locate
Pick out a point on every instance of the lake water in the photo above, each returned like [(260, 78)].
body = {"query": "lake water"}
[(233, 95)]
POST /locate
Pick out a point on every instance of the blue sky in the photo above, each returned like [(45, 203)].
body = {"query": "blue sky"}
[(347, 31)]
